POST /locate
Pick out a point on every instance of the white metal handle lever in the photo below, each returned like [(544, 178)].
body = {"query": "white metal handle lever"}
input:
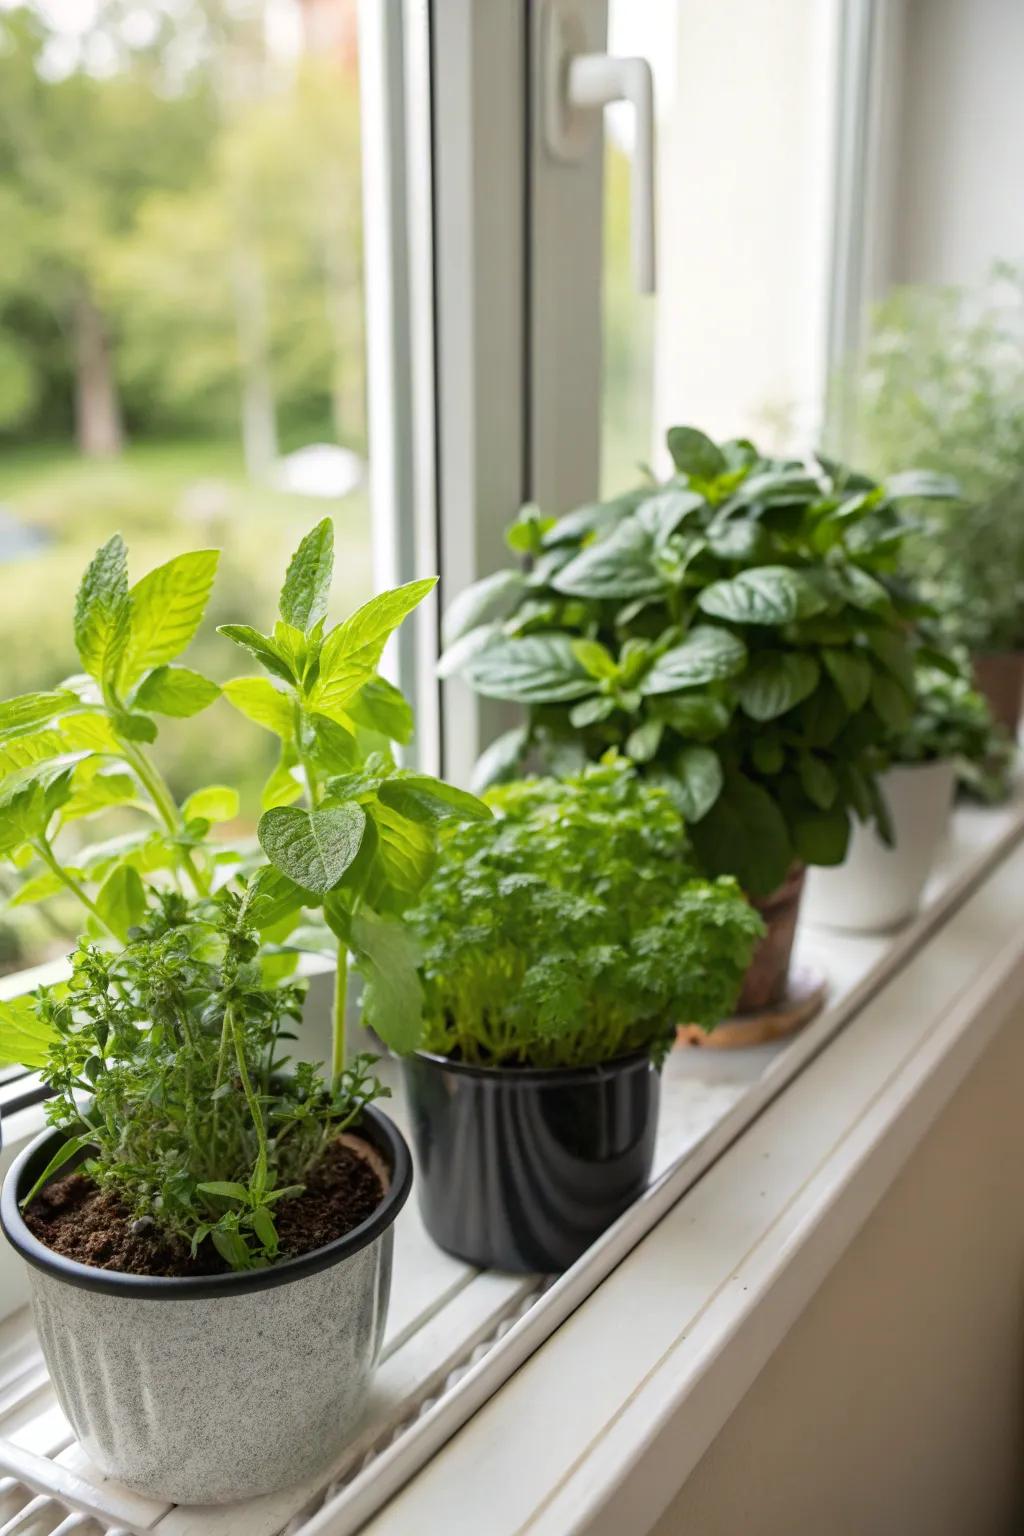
[(577, 86), (593, 81)]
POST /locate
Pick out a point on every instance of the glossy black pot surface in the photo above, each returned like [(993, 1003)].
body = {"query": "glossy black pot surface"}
[(522, 1168)]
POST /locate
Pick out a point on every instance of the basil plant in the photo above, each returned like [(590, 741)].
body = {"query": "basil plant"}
[(739, 632)]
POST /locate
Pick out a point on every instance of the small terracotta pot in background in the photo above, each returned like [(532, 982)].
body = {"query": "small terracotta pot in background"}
[(764, 985), (999, 675)]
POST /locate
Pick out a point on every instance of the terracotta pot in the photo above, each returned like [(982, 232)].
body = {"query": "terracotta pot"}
[(765, 982), (999, 675)]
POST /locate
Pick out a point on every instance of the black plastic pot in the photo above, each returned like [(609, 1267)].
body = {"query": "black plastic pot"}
[(522, 1168)]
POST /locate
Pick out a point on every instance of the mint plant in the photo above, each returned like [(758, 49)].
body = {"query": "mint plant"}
[(72, 754), (739, 632), (362, 843), (575, 927), (952, 722)]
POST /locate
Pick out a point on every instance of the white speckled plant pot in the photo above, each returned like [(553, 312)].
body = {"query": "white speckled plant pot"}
[(208, 1389), (878, 888)]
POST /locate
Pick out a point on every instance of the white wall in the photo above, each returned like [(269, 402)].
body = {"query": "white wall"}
[(959, 143)]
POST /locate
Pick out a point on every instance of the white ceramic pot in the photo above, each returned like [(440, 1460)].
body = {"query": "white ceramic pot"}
[(206, 1389), (878, 887)]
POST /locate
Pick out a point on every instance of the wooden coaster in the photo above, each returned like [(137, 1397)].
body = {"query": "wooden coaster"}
[(804, 996)]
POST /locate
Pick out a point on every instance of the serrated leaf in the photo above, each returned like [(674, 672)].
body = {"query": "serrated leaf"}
[(381, 707), (313, 848), (103, 611), (167, 608), (217, 802), (96, 787), (422, 798), (768, 594), (24, 1038), (261, 702), (851, 674), (405, 857), (308, 581), (30, 710), (492, 598), (260, 646), (121, 901), (777, 681), (387, 956), (706, 654), (618, 566), (531, 669), (271, 896), (176, 691), (351, 652), (698, 774)]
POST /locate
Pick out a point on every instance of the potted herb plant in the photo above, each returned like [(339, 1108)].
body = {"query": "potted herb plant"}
[(739, 632), (942, 384), (209, 1225), (561, 944), (951, 734)]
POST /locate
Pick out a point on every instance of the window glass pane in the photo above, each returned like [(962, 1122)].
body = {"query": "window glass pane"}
[(734, 340), (181, 319)]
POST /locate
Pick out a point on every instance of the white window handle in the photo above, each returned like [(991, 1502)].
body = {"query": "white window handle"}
[(577, 87)]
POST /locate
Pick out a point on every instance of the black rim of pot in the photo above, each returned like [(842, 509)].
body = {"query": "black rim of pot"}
[(533, 1075), (381, 1134)]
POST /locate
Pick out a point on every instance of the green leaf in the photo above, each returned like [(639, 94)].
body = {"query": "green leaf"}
[(776, 681), (894, 654), (167, 608), (217, 802), (822, 837), (643, 742), (695, 454), (619, 566), (260, 646), (405, 857), (422, 798), (263, 1226), (744, 834), (595, 658), (351, 652), (121, 901), (661, 515), (64, 1154), (40, 888), (698, 773), (696, 715), (23, 752), (768, 594), (308, 581), (175, 691), (706, 654), (24, 1038), (591, 711), (851, 674), (379, 706), (314, 848), (258, 700), (494, 597), (96, 787), (388, 959), (103, 611), (922, 485), (29, 710), (226, 1188), (890, 702), (456, 655), (534, 669), (270, 897), (818, 780), (863, 590), (500, 761), (285, 783)]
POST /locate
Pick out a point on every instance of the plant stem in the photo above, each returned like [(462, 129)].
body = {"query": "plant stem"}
[(52, 863), (338, 1051), (153, 782), (250, 1098)]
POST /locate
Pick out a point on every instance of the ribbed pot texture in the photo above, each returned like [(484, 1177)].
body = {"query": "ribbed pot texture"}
[(521, 1168), (204, 1390), (878, 887)]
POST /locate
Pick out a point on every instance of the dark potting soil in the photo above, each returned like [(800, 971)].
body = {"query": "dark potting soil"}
[(76, 1218)]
